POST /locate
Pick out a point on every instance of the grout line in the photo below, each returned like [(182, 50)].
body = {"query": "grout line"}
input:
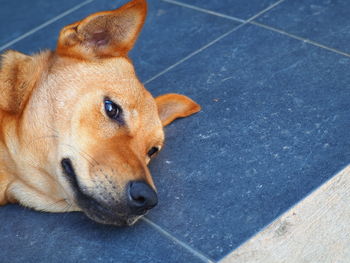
[(300, 38), (174, 239), (207, 11), (288, 210), (44, 24), (203, 10), (308, 41), (244, 22), (265, 10), (210, 43), (192, 54)]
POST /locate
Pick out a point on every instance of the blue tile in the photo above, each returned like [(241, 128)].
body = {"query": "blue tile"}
[(170, 33), (28, 236), (238, 8), (323, 21), (20, 16), (274, 126)]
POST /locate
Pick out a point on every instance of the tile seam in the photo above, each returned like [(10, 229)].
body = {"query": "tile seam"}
[(265, 10), (169, 236), (192, 54), (43, 25), (203, 10), (250, 21), (306, 40), (210, 43), (295, 205)]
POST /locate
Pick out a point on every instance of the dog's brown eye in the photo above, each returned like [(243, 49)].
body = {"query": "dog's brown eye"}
[(113, 110), (152, 151)]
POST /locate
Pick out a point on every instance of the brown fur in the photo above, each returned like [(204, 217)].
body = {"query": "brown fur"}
[(51, 107)]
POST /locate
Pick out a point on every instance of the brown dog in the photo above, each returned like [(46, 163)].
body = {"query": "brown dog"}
[(78, 128)]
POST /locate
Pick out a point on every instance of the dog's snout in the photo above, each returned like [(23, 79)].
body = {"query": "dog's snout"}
[(141, 197)]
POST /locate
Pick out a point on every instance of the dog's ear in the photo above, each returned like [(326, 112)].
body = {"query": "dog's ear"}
[(104, 34), (17, 78), (173, 106)]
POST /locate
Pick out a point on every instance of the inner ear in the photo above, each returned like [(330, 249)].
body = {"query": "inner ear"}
[(104, 34), (99, 38), (173, 106)]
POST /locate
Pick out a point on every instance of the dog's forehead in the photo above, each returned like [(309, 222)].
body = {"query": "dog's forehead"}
[(103, 71), (114, 78), (114, 73), (110, 77)]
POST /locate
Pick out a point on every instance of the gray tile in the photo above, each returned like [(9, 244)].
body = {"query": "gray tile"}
[(238, 8), (274, 126), (19, 16), (323, 21), (28, 236), (170, 33)]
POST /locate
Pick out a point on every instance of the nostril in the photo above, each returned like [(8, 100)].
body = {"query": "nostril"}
[(137, 199), (140, 200), (141, 197)]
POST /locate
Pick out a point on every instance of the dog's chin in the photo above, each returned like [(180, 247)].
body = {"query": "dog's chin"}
[(103, 214), (108, 220), (108, 216)]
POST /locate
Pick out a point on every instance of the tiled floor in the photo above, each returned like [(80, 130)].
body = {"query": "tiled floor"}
[(272, 78), (315, 230)]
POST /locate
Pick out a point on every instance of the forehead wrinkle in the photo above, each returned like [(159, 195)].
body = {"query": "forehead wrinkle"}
[(117, 73)]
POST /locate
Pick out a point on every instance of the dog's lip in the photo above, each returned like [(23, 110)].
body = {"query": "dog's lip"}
[(110, 219), (92, 208), (68, 169)]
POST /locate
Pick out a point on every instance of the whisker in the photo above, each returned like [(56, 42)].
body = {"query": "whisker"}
[(67, 208), (53, 129), (52, 204), (83, 154)]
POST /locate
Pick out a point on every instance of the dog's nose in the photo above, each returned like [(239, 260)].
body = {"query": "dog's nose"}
[(141, 197)]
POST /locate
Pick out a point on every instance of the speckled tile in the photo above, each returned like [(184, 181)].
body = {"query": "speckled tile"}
[(28, 236), (182, 31), (274, 126), (238, 8), (34, 237), (20, 16), (323, 21)]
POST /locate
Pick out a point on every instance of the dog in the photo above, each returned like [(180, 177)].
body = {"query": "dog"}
[(78, 128)]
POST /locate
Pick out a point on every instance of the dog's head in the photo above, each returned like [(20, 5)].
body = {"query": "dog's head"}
[(107, 126)]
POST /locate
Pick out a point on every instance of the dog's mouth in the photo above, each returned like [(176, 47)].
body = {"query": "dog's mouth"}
[(94, 209)]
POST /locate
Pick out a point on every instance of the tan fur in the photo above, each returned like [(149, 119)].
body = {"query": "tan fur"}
[(51, 107)]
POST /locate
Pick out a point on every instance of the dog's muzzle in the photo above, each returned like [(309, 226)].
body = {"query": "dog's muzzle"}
[(135, 200)]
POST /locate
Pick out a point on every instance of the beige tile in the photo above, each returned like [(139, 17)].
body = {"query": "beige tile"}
[(316, 230)]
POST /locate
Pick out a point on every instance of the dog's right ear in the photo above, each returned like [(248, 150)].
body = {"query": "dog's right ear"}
[(172, 106), (104, 34)]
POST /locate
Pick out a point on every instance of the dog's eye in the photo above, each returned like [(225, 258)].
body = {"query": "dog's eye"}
[(113, 110), (152, 151)]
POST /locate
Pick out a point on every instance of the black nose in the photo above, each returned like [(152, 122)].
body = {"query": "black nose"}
[(141, 197)]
